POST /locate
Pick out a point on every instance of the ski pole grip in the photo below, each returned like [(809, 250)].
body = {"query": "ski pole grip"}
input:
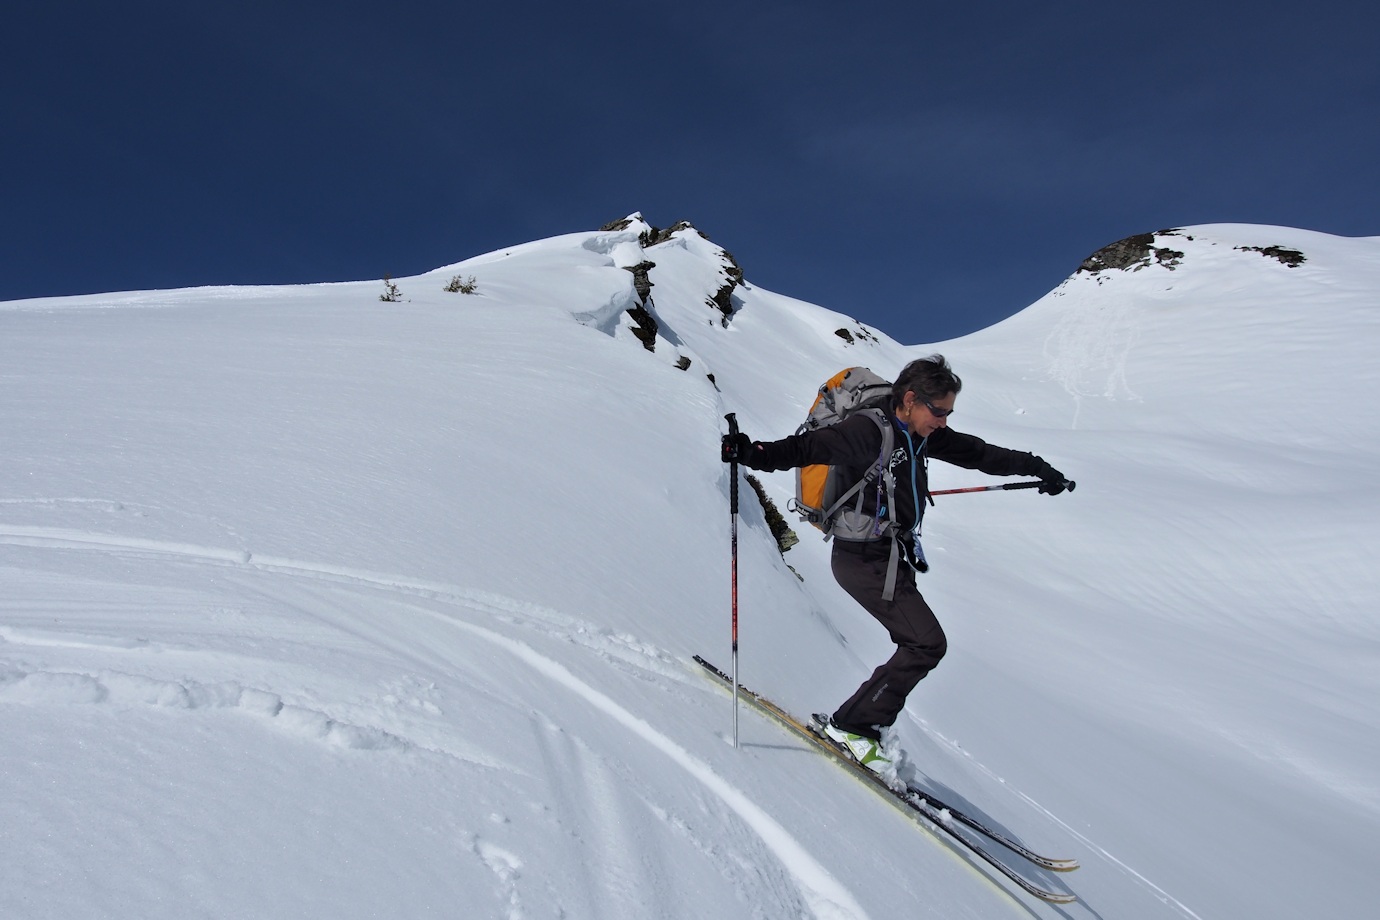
[(1021, 485)]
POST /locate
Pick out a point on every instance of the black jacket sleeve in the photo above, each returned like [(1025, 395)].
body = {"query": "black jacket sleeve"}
[(854, 442), (973, 453)]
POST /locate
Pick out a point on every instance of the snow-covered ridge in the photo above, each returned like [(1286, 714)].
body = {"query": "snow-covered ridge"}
[(313, 603)]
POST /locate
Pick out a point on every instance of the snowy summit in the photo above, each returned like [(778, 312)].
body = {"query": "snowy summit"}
[(380, 599)]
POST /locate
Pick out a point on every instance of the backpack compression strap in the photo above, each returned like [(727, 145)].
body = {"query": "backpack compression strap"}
[(877, 469)]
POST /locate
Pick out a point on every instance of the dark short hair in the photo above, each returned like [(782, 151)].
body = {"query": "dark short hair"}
[(929, 378)]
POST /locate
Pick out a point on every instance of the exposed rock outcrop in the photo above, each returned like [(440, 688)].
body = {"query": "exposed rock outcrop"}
[(1133, 254)]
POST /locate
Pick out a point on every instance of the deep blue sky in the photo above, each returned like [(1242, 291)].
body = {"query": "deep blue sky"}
[(927, 168)]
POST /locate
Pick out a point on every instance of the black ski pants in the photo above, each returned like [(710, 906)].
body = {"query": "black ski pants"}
[(860, 569)]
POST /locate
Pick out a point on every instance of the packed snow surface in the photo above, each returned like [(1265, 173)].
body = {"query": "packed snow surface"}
[(318, 605)]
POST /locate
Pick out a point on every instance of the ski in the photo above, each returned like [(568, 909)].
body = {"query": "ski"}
[(924, 809), (946, 812)]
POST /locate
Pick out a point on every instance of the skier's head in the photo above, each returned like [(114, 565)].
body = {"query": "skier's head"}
[(929, 378), (924, 392)]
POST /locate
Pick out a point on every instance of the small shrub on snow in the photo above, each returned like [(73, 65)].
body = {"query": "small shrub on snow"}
[(390, 294), (458, 285)]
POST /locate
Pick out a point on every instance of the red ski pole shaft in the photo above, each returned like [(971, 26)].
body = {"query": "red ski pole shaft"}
[(733, 514), (998, 488)]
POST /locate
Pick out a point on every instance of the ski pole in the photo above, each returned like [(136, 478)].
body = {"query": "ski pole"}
[(1004, 486), (733, 515)]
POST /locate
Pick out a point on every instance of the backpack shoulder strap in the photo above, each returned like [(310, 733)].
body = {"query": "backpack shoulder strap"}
[(889, 480)]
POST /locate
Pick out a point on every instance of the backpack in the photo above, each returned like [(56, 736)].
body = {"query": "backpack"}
[(822, 496)]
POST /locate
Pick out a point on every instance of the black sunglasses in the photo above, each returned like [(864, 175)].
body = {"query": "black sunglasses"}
[(937, 413)]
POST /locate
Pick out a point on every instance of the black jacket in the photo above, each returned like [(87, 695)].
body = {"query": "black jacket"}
[(854, 445)]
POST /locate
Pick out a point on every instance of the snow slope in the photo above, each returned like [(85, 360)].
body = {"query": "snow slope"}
[(317, 605)]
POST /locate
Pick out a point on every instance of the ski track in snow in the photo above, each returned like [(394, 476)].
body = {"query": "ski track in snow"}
[(1088, 350), (824, 895), (506, 867), (122, 689)]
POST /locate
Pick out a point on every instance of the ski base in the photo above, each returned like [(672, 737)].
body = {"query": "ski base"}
[(924, 809)]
